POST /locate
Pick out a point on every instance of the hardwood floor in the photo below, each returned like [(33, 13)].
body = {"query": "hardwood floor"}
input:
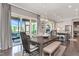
[(71, 50), (11, 51)]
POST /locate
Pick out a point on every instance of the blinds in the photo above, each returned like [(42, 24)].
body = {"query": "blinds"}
[(20, 11)]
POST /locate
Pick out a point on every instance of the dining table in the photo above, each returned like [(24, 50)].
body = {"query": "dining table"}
[(42, 40)]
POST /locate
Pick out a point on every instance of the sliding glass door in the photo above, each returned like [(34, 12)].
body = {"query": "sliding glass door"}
[(24, 25), (15, 27)]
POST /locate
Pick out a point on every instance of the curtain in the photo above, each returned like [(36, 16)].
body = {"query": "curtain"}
[(5, 26)]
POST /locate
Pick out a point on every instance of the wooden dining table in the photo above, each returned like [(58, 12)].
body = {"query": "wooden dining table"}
[(42, 40)]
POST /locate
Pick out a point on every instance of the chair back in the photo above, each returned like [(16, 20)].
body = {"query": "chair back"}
[(25, 41)]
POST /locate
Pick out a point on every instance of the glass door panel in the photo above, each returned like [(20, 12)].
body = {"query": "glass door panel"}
[(15, 27), (23, 26)]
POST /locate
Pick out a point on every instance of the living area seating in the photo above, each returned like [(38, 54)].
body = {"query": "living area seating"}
[(27, 46)]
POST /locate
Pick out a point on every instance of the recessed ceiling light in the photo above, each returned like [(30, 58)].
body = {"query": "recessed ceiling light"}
[(69, 6), (76, 9), (46, 20)]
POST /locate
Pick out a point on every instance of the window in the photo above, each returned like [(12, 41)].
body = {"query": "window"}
[(34, 27), (26, 26)]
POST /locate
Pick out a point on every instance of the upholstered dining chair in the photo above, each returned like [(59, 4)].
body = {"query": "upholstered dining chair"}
[(27, 46)]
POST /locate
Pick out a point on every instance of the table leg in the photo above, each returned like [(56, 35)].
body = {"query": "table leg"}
[(41, 49)]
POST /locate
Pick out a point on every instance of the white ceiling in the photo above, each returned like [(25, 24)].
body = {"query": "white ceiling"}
[(53, 11)]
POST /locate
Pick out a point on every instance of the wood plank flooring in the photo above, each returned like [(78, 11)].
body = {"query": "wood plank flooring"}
[(71, 50)]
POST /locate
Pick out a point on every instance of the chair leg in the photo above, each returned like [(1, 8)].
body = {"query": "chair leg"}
[(50, 54), (43, 54), (23, 53)]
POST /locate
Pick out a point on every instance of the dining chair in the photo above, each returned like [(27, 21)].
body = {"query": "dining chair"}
[(27, 46)]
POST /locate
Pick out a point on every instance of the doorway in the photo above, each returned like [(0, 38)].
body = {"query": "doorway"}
[(76, 29)]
